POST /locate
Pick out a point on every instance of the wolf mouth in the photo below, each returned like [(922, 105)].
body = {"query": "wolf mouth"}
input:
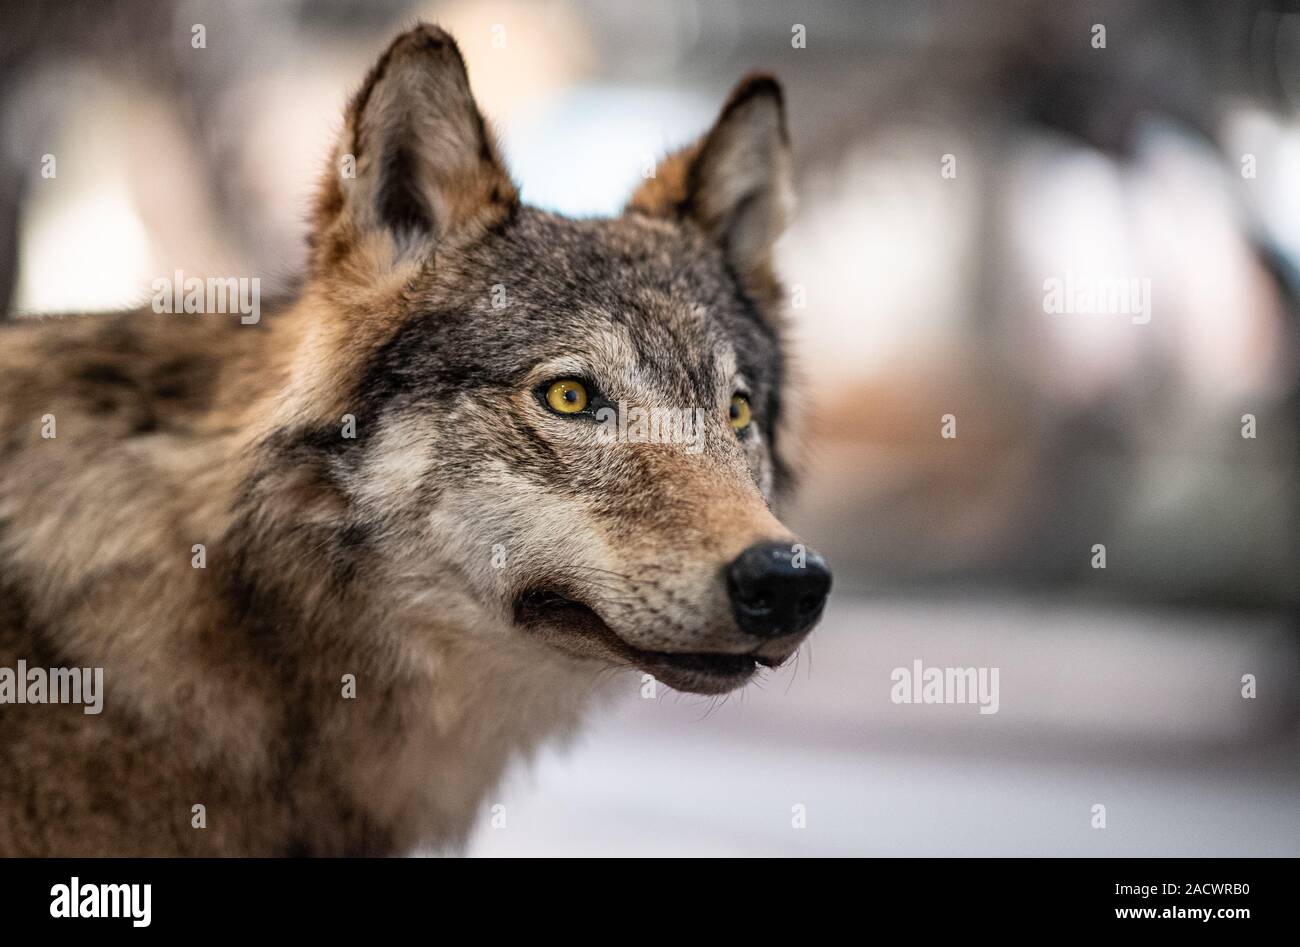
[(556, 614)]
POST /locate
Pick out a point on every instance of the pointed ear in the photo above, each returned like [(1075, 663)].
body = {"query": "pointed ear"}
[(415, 163), (735, 182)]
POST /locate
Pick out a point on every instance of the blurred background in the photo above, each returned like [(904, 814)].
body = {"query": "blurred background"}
[(952, 160)]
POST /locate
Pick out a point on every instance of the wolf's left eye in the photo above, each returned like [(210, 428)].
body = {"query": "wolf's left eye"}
[(566, 396), (739, 412)]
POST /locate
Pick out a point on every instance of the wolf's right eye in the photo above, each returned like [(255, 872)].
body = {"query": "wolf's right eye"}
[(566, 396), (739, 413)]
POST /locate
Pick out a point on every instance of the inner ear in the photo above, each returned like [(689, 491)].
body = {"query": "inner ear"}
[(735, 182), (424, 162), (402, 203)]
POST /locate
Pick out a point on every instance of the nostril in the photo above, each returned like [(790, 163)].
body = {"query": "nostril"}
[(775, 590)]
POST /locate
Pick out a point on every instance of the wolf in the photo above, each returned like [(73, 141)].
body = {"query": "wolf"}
[(343, 567)]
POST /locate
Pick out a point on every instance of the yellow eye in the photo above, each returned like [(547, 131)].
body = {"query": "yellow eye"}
[(739, 412), (567, 396)]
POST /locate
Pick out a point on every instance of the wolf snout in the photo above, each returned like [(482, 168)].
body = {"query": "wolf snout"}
[(777, 589)]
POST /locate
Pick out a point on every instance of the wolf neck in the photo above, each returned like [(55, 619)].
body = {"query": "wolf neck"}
[(417, 745)]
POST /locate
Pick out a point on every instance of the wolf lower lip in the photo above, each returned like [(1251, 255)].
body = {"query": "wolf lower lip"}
[(721, 665), (704, 671), (698, 673)]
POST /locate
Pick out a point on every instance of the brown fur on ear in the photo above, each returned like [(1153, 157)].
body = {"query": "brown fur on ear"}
[(416, 160), (735, 182)]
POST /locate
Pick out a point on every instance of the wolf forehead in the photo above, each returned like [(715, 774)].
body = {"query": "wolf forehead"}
[(540, 288)]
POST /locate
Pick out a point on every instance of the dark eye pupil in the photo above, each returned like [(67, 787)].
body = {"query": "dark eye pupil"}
[(735, 410), (571, 395)]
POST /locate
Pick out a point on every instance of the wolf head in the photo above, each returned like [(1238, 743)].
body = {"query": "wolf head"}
[(569, 433)]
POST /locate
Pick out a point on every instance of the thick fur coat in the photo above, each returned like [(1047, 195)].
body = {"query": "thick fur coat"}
[(382, 497)]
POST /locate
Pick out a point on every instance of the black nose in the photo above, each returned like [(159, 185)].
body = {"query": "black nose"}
[(777, 589)]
